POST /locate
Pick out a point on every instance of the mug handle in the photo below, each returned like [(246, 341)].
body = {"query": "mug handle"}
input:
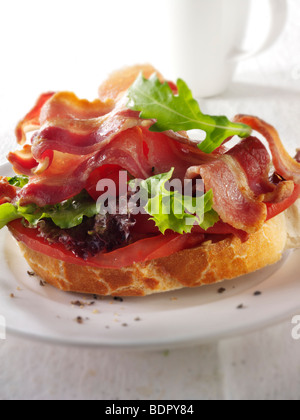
[(279, 13)]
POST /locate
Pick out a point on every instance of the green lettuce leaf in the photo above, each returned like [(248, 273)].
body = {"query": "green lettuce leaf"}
[(18, 180), (171, 210), (155, 100), (8, 213), (65, 215)]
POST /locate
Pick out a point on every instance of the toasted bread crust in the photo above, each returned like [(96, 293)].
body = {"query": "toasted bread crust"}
[(207, 264)]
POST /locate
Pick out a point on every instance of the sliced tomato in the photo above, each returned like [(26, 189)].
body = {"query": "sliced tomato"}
[(158, 246), (277, 208), (31, 239), (144, 225), (177, 243)]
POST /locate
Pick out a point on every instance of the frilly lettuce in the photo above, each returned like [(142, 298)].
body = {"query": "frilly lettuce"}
[(168, 209), (174, 211), (65, 215)]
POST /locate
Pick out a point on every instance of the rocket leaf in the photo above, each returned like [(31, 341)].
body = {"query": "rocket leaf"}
[(181, 112)]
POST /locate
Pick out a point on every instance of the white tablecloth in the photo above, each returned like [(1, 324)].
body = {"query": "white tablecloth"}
[(261, 365)]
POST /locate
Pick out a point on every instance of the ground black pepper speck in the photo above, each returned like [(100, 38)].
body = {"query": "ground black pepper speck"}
[(79, 320), (31, 273), (77, 303)]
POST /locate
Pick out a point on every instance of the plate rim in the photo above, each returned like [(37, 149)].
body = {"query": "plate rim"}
[(159, 345)]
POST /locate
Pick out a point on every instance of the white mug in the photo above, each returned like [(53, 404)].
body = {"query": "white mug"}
[(205, 38)]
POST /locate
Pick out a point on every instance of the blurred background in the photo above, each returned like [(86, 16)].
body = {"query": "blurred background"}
[(73, 45)]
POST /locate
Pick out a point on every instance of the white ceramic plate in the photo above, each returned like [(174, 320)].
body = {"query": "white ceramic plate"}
[(161, 321)]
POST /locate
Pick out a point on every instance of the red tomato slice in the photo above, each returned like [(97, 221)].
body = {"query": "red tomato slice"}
[(30, 238), (144, 225), (176, 244), (277, 208), (143, 250)]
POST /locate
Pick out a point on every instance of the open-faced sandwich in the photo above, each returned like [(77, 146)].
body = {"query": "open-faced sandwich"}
[(113, 197)]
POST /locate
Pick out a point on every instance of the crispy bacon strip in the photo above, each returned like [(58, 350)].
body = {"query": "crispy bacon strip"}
[(164, 153), (233, 199), (52, 105), (23, 162), (284, 164), (83, 136), (66, 105), (254, 160), (7, 192), (67, 175), (240, 182), (32, 120)]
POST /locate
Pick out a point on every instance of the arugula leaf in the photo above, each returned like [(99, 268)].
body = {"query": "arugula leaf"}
[(155, 100), (172, 210), (65, 215)]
